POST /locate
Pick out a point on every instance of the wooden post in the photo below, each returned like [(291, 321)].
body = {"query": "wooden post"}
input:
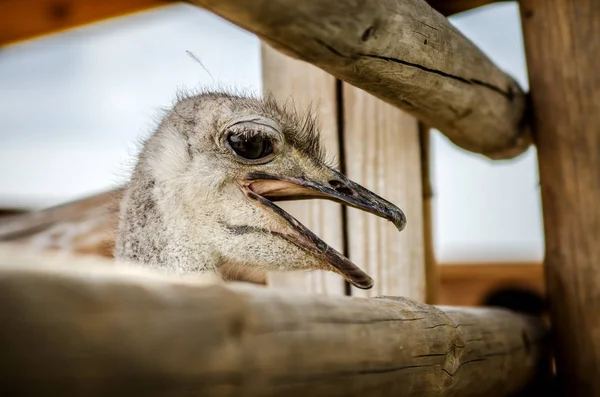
[(562, 41), (381, 145), (306, 85)]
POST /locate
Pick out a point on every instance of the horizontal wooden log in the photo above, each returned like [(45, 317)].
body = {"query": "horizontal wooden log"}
[(26, 19), (403, 52), (87, 225), (89, 329)]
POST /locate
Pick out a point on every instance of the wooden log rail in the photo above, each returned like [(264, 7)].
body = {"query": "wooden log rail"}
[(26, 19), (86, 327), (87, 225), (403, 52)]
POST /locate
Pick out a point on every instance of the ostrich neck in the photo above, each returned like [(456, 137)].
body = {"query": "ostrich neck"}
[(156, 232)]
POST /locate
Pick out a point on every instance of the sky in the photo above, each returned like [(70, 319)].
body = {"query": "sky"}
[(74, 105)]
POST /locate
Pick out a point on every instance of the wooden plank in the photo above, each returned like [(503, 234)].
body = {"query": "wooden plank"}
[(562, 42), (382, 151), (432, 280), (492, 271), (472, 284), (95, 330), (288, 79), (403, 52), (27, 19)]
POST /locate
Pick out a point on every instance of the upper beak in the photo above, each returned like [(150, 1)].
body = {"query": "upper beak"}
[(266, 188)]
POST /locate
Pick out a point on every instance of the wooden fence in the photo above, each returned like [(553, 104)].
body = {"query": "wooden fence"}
[(411, 60)]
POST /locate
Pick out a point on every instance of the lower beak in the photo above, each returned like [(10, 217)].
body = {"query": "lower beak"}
[(268, 188)]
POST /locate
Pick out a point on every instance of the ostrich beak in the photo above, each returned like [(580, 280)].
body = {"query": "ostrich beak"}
[(265, 189)]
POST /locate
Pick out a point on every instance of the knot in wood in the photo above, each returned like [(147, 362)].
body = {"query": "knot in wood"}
[(452, 360)]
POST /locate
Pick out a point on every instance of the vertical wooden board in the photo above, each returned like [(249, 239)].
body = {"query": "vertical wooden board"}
[(562, 44), (432, 279), (286, 79), (382, 151)]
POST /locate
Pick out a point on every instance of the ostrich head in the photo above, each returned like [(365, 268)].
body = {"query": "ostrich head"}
[(203, 193)]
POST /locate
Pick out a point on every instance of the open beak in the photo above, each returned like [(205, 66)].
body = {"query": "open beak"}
[(265, 189)]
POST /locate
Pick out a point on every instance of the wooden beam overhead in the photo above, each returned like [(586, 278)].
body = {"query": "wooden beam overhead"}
[(433, 72), (401, 51), (26, 19)]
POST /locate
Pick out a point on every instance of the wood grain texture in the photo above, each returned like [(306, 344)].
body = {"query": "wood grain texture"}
[(403, 52), (383, 154), (306, 86), (100, 331), (26, 19), (562, 42)]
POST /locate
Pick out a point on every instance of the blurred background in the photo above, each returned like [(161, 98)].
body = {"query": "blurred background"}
[(73, 106)]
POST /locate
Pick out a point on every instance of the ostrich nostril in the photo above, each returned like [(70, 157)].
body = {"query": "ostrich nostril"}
[(341, 188)]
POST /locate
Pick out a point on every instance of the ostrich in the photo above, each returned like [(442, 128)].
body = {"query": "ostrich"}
[(202, 196)]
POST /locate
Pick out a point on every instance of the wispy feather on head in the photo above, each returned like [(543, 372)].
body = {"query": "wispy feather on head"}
[(300, 129)]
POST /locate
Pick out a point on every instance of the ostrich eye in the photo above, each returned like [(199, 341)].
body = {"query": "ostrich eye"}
[(250, 147)]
